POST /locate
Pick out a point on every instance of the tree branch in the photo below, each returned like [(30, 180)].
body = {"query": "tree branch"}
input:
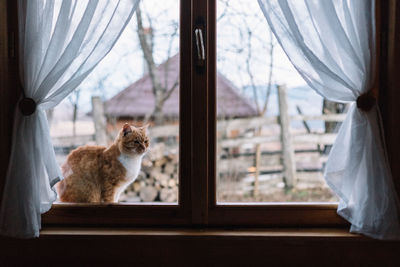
[(271, 67), (147, 53), (169, 92)]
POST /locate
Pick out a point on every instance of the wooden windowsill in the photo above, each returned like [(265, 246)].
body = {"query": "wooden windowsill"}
[(295, 233), (199, 247)]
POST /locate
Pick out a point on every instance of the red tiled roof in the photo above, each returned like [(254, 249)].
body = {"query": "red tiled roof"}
[(137, 99)]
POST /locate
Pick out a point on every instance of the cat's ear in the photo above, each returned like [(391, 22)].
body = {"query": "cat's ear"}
[(144, 128), (126, 129)]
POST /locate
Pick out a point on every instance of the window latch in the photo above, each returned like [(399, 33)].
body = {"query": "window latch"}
[(200, 61)]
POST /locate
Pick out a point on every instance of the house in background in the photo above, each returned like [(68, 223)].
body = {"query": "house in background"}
[(137, 100)]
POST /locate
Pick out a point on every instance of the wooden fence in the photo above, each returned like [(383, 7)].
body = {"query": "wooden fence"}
[(226, 126), (258, 172)]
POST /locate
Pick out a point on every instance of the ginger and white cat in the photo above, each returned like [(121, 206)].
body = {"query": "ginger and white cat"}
[(99, 174)]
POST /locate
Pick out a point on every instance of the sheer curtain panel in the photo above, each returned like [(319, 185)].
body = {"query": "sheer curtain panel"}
[(331, 43), (60, 43)]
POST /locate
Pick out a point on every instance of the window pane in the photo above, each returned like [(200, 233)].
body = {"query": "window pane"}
[(272, 140), (136, 83)]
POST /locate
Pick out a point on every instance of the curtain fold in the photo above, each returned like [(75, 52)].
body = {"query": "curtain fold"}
[(60, 43), (332, 45)]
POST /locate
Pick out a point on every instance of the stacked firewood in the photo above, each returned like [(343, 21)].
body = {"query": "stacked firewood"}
[(158, 178)]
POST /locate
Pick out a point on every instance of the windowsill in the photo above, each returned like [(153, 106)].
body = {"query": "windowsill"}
[(200, 247), (291, 233)]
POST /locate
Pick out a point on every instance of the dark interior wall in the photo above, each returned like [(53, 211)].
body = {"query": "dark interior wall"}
[(190, 250), (390, 83)]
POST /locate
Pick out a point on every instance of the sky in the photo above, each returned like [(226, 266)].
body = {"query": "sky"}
[(124, 64), (235, 19)]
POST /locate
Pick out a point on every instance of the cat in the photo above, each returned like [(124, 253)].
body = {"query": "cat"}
[(96, 174)]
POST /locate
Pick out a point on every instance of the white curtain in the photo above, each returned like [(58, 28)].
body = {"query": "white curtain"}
[(60, 43), (331, 43)]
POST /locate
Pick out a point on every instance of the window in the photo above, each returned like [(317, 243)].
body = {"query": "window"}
[(198, 202), (273, 145), (136, 83)]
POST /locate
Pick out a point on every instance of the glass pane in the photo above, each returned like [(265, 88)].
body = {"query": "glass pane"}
[(136, 83), (272, 140)]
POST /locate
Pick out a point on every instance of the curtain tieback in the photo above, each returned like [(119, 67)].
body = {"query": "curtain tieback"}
[(27, 106), (366, 101)]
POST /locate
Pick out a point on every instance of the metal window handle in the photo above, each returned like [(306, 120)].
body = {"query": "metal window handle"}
[(201, 55), (199, 45)]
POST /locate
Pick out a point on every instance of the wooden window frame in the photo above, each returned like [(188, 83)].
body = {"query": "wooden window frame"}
[(253, 214), (282, 214), (197, 165), (146, 214)]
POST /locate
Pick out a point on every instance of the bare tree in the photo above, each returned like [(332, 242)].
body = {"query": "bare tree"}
[(160, 90), (260, 94), (248, 23)]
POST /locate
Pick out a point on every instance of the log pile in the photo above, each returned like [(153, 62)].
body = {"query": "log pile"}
[(158, 178)]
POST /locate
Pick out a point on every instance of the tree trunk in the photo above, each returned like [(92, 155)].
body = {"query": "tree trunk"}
[(158, 90), (158, 115)]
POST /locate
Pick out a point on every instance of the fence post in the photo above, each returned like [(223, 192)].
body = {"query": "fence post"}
[(288, 158), (99, 121), (257, 164)]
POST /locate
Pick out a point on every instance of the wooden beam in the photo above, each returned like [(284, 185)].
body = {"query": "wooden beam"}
[(99, 119), (289, 162)]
